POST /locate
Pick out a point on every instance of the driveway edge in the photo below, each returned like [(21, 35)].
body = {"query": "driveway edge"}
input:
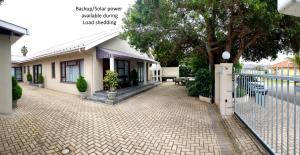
[(243, 140)]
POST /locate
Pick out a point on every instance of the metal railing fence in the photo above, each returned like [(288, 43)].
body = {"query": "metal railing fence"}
[(268, 102)]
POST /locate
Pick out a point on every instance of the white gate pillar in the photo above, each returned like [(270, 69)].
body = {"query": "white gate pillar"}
[(224, 88), (5, 75), (112, 63), (145, 72)]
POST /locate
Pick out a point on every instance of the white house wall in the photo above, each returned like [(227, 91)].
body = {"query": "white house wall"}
[(55, 83), (5, 75)]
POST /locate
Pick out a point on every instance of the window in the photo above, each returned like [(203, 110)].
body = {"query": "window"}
[(140, 70), (17, 73), (24, 69), (122, 68), (71, 70), (53, 69), (28, 69)]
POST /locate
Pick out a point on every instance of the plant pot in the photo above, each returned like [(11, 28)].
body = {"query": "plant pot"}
[(111, 95), (14, 103), (41, 85), (83, 95), (29, 82)]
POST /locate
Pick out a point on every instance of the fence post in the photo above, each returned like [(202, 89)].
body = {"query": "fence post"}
[(224, 89)]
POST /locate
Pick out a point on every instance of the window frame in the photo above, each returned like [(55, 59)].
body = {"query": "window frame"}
[(53, 70), (126, 76), (63, 72)]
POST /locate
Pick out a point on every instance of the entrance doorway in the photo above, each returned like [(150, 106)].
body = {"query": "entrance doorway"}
[(37, 69)]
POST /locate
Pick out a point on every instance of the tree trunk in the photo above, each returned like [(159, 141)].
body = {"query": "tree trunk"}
[(238, 56)]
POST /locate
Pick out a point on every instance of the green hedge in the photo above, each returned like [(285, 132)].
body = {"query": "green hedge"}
[(40, 79), (81, 84), (202, 84), (29, 77), (16, 89)]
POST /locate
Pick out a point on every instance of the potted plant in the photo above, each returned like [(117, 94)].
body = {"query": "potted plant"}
[(41, 81), (82, 85), (29, 78), (134, 77), (111, 79), (16, 92)]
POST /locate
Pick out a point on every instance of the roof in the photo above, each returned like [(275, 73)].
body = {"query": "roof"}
[(7, 28), (284, 64), (84, 43), (17, 58), (104, 53)]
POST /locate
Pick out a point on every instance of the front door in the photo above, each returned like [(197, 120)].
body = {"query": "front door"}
[(105, 66), (37, 69)]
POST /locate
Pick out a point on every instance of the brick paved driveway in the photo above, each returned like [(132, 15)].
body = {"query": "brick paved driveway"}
[(163, 120)]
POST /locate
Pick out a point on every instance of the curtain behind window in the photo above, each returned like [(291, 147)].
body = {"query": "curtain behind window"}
[(72, 73)]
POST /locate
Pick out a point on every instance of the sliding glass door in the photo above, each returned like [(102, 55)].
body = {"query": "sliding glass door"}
[(37, 69)]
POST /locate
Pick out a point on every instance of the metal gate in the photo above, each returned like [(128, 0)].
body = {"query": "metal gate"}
[(268, 102)]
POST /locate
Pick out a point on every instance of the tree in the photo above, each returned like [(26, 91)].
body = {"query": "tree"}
[(24, 50), (296, 59), (174, 29)]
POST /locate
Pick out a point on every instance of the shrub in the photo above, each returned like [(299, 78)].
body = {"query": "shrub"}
[(202, 84), (184, 71), (16, 89), (111, 79), (134, 77), (29, 77), (40, 79), (192, 89), (240, 92), (81, 84), (204, 81)]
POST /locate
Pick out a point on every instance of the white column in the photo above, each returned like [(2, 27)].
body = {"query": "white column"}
[(156, 79), (5, 77), (145, 72), (112, 63), (224, 89)]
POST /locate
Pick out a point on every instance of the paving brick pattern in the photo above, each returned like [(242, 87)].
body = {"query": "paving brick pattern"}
[(244, 141), (163, 120)]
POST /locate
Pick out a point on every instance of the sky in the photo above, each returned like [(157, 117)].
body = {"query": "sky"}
[(52, 22)]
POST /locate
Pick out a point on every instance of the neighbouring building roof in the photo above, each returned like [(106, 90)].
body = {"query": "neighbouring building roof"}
[(284, 64), (84, 43), (13, 30)]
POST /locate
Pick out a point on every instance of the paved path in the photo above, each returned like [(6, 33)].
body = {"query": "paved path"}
[(163, 120)]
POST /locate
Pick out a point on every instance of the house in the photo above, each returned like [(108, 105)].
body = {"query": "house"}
[(9, 34), (287, 67), (89, 57)]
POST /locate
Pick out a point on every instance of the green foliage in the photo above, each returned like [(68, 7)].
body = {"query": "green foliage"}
[(29, 77), (184, 71), (238, 66), (81, 84), (192, 89), (296, 59), (16, 89), (240, 92), (134, 77), (40, 79), (202, 84), (176, 29), (111, 79)]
